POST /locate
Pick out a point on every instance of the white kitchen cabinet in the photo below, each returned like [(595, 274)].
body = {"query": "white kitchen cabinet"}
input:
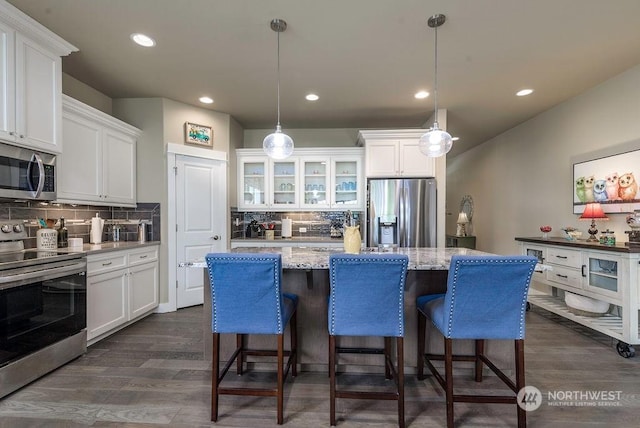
[(30, 82), (122, 287), (99, 161), (311, 179), (607, 274), (395, 153)]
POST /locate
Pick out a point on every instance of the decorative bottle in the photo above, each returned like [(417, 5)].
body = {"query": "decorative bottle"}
[(352, 239), (63, 235)]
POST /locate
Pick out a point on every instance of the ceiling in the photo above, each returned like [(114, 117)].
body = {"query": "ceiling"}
[(364, 58)]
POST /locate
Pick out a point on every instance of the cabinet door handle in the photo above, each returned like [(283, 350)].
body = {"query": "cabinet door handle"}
[(562, 276), (143, 257), (561, 257), (107, 264), (583, 273)]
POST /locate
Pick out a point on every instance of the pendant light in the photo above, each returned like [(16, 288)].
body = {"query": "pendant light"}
[(435, 142), (278, 145)]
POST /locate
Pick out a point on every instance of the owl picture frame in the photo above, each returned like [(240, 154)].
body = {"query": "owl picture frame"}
[(609, 178)]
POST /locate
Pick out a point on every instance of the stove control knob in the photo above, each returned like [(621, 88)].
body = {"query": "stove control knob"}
[(17, 228), (6, 228)]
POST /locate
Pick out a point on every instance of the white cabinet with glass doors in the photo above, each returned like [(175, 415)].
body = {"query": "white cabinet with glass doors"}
[(311, 179), (607, 274)]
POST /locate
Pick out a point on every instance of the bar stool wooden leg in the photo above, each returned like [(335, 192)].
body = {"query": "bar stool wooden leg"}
[(240, 359), (294, 343), (520, 382), (332, 380), (280, 386), (479, 354), (215, 373), (448, 369), (422, 327), (400, 363), (387, 358)]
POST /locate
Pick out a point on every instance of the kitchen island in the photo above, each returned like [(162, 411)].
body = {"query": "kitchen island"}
[(306, 273)]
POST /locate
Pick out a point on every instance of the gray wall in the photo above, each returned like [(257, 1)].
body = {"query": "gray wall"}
[(523, 178), (86, 94), (337, 137)]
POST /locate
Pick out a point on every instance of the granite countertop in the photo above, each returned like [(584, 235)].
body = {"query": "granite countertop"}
[(293, 239), (89, 249), (318, 258), (621, 247)]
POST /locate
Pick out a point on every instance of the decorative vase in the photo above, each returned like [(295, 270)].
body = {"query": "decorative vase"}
[(352, 239)]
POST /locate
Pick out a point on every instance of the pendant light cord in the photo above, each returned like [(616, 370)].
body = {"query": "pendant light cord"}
[(435, 89), (278, 78)]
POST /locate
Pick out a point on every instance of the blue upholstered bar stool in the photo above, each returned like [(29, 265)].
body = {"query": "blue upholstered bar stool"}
[(486, 298), (246, 298), (367, 299)]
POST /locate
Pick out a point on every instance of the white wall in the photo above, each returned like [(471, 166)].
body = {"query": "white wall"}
[(522, 179)]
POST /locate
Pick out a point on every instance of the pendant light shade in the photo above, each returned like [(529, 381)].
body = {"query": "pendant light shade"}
[(278, 145), (435, 142)]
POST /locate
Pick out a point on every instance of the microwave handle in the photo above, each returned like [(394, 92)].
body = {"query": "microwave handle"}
[(41, 178)]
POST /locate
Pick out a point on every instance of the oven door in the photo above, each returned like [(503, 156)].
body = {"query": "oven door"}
[(25, 174), (40, 305)]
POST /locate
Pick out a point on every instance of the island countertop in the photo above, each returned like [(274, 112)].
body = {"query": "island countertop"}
[(318, 258)]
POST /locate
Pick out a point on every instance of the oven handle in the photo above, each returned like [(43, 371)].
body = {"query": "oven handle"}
[(11, 281)]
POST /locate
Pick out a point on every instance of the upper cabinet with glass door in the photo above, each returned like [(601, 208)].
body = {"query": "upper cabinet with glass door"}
[(311, 179), (315, 181), (284, 183), (347, 188), (252, 182)]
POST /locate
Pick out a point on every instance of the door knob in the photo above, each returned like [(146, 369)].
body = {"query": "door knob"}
[(215, 238)]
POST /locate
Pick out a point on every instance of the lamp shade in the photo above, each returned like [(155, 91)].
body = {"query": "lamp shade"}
[(593, 210), (435, 142), (462, 218), (278, 145)]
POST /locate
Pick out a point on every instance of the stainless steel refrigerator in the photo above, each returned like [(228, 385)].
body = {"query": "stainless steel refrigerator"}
[(402, 212)]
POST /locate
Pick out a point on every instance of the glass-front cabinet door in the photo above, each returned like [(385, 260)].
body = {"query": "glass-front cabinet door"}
[(315, 182), (602, 275), (537, 252), (347, 188), (284, 184), (253, 179)]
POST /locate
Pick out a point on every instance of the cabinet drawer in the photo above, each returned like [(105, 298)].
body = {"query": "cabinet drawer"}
[(146, 255), (565, 276), (105, 263), (562, 257)]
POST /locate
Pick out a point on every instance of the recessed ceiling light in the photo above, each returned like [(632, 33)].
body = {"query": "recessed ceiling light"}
[(143, 40), (206, 100), (421, 95), (524, 92), (312, 97)]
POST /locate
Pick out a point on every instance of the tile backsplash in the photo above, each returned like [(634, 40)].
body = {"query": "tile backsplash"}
[(317, 223), (77, 218)]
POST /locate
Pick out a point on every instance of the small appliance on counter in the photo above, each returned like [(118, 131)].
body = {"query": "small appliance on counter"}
[(97, 224), (254, 230)]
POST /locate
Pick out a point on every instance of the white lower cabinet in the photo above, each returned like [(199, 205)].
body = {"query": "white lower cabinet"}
[(122, 287), (596, 276)]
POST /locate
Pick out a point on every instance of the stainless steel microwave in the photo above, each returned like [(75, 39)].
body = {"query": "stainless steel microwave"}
[(26, 174)]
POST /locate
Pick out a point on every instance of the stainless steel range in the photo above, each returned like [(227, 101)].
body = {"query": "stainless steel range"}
[(43, 308)]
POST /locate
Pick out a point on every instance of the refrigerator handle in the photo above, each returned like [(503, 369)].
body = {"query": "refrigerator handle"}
[(402, 226)]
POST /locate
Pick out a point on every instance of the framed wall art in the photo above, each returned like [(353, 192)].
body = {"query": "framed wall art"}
[(610, 179), (199, 135)]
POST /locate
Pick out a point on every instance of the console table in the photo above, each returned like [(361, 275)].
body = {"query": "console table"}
[(606, 273)]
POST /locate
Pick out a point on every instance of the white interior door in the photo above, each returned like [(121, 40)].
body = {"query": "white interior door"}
[(201, 205)]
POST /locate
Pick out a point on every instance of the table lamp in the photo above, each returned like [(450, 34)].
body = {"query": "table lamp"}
[(462, 222), (593, 211)]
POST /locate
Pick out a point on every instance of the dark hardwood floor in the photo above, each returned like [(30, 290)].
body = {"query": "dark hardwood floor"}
[(152, 373)]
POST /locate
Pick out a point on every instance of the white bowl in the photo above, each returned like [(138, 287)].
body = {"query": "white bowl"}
[(583, 305)]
